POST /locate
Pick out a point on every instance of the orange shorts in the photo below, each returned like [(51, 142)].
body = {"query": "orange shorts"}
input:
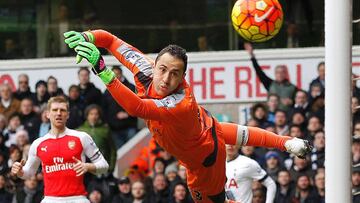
[(207, 183)]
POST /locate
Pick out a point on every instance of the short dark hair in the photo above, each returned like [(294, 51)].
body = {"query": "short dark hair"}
[(176, 51), (83, 68), (74, 87), (273, 95), (320, 64), (91, 107), (116, 67)]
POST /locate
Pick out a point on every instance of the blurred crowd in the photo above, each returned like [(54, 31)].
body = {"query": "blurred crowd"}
[(156, 176)]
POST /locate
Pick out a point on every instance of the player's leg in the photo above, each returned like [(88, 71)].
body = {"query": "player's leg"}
[(251, 136)]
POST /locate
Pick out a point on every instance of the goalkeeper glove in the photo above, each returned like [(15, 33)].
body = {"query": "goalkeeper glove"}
[(72, 39), (91, 53)]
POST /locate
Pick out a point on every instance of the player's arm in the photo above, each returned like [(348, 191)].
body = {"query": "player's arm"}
[(133, 104), (257, 173), (128, 55), (29, 169), (270, 189), (98, 163)]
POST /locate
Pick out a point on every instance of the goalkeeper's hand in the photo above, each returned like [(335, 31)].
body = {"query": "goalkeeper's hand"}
[(73, 38), (92, 54)]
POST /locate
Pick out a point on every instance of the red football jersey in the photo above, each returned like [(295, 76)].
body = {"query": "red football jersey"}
[(56, 156)]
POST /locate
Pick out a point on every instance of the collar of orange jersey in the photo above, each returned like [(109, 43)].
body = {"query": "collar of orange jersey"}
[(151, 93)]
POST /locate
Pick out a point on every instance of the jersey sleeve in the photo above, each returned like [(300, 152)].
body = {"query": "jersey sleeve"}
[(137, 62), (93, 153), (256, 172), (33, 162), (151, 109)]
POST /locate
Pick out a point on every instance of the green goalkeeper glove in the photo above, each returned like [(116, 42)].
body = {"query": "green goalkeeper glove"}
[(72, 39), (91, 53)]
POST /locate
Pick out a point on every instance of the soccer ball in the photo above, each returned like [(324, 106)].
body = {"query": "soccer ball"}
[(257, 20)]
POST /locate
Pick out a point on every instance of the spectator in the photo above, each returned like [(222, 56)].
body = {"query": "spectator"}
[(171, 176), (318, 152), (5, 196), (182, 173), (355, 179), (45, 122), (77, 107), (3, 165), (295, 131), (15, 155), (12, 128), (100, 133), (317, 107), (285, 189), (281, 125), (356, 131), (203, 44), (301, 167), (180, 194), (123, 126), (355, 89), (252, 123), (160, 192), (22, 139), (298, 118), (273, 102), (259, 113), (171, 173), (29, 119), (280, 86), (354, 109), (96, 196), (304, 191), (320, 80), (23, 90), (159, 166), (314, 125), (29, 192), (320, 186), (8, 105), (273, 164), (3, 124), (292, 35), (355, 149), (138, 193), (167, 157), (315, 91), (61, 24), (52, 87), (88, 92), (12, 50), (258, 196), (41, 96), (124, 187), (301, 102)]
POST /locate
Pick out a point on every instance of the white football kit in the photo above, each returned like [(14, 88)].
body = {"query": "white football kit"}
[(240, 173)]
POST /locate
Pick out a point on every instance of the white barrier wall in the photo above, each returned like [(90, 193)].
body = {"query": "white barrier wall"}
[(216, 77)]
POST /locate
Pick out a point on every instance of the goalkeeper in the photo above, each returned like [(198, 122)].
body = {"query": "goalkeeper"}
[(177, 122)]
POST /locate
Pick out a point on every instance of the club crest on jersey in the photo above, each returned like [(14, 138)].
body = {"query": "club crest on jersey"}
[(71, 144)]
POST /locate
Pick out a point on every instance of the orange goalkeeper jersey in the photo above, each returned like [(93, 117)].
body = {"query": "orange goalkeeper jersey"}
[(177, 122)]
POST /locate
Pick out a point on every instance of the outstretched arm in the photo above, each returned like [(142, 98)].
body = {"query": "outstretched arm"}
[(128, 55), (265, 80), (133, 104)]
